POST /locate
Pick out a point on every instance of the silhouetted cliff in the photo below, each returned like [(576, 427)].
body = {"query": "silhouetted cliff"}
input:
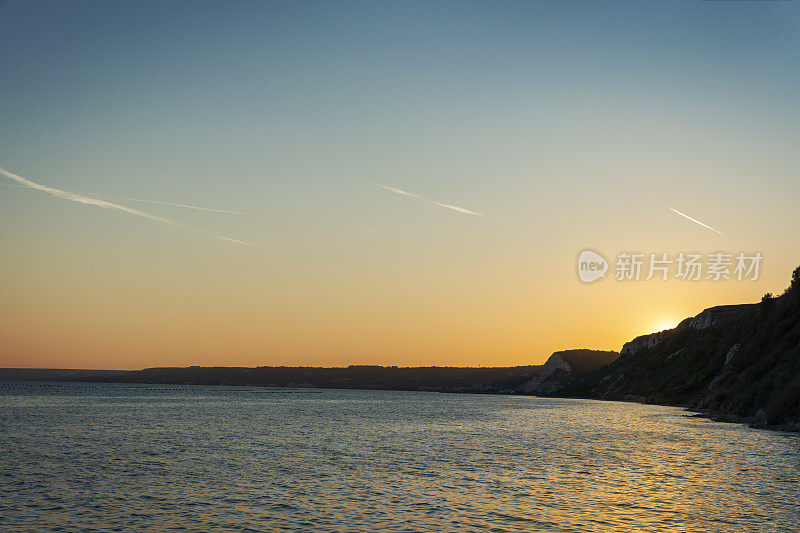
[(735, 361)]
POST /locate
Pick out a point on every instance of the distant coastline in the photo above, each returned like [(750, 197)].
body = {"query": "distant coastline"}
[(480, 380), (738, 363)]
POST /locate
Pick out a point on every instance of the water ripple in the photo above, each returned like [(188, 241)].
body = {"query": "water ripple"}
[(100, 458)]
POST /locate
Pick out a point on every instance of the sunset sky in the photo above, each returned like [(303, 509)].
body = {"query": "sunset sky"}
[(525, 132)]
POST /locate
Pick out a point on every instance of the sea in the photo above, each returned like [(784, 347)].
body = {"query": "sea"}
[(86, 457)]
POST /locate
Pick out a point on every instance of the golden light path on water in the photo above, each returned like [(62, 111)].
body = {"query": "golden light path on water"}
[(212, 459)]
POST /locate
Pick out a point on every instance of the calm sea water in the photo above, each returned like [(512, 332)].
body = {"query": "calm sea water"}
[(89, 457)]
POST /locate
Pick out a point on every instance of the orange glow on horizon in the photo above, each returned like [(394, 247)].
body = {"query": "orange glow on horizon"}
[(665, 324)]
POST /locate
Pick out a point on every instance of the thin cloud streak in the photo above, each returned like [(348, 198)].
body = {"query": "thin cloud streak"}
[(229, 239), (81, 199), (684, 215), (187, 206), (229, 211), (433, 202), (15, 185)]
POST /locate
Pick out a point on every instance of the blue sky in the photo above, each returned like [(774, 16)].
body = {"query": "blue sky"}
[(569, 124)]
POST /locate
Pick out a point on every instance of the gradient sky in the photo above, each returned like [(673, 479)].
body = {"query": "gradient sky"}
[(569, 125)]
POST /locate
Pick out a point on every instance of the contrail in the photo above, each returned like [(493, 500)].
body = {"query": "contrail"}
[(187, 206), (684, 215), (190, 207), (223, 237), (81, 199), (412, 195)]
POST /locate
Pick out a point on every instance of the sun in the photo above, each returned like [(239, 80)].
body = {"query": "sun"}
[(666, 323)]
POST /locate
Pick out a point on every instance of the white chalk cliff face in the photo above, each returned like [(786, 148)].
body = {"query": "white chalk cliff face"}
[(557, 372), (542, 383), (643, 342), (555, 362), (711, 317)]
